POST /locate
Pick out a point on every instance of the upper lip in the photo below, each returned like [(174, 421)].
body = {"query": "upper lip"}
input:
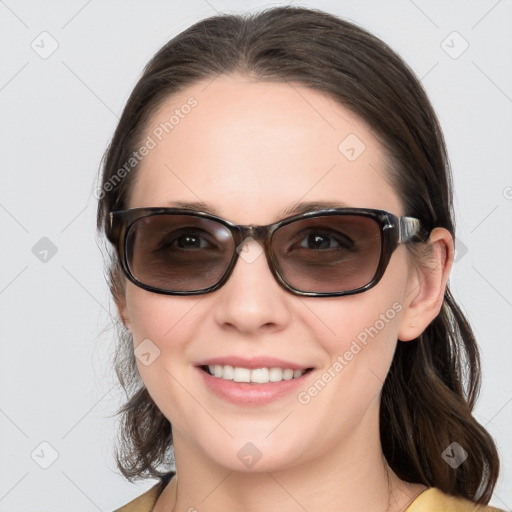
[(252, 362)]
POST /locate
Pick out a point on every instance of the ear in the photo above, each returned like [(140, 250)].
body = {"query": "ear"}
[(122, 310), (425, 294)]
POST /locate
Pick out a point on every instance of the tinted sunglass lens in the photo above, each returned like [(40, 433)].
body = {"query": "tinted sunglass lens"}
[(328, 254), (181, 253)]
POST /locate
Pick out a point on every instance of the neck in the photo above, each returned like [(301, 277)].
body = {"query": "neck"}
[(354, 477)]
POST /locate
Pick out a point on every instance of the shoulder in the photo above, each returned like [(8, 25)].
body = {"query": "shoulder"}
[(144, 503), (434, 500)]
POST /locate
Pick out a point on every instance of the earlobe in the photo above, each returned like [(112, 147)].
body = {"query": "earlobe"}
[(425, 296)]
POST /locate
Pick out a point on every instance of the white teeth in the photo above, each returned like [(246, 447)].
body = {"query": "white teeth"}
[(241, 375), (256, 375), (288, 374), (259, 375), (228, 372), (275, 375)]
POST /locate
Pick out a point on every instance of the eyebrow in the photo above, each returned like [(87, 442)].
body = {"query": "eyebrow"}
[(292, 209), (311, 206), (191, 205)]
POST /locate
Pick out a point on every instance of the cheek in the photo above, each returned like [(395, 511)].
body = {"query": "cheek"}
[(157, 317), (359, 337), (163, 328), (361, 346), (350, 324), (359, 355), (156, 324)]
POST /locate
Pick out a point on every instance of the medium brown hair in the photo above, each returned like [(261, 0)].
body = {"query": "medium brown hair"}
[(430, 391)]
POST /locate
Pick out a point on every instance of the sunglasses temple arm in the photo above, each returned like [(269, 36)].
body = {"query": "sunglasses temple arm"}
[(407, 228)]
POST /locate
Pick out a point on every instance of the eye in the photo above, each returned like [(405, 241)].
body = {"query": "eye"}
[(187, 240), (322, 240), (191, 241)]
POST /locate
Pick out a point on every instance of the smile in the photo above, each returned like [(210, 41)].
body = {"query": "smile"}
[(254, 375)]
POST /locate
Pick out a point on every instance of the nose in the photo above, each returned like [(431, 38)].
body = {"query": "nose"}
[(252, 300)]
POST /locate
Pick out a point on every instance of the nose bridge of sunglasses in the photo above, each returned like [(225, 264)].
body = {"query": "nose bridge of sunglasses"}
[(251, 247)]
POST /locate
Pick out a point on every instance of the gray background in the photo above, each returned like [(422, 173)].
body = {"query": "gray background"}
[(58, 112)]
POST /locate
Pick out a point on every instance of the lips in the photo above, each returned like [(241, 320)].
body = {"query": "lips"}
[(252, 381)]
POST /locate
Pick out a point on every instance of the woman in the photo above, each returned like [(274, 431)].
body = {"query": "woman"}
[(278, 196)]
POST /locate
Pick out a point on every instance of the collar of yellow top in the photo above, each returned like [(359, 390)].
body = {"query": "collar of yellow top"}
[(430, 500), (143, 503), (434, 500)]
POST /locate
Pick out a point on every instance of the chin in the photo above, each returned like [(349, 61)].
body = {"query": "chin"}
[(256, 456)]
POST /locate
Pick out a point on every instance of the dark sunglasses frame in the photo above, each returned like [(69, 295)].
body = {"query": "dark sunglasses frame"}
[(393, 231)]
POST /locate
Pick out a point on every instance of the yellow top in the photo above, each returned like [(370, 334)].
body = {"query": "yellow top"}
[(430, 500)]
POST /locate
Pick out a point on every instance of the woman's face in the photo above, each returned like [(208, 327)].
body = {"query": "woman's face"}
[(248, 150)]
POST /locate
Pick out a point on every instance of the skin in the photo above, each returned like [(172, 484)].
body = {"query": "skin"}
[(248, 150)]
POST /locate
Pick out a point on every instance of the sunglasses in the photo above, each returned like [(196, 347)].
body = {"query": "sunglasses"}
[(322, 253)]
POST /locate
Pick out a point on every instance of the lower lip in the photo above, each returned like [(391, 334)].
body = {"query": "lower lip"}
[(244, 393)]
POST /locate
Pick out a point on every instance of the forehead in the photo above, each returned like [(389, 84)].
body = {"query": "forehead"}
[(249, 149)]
